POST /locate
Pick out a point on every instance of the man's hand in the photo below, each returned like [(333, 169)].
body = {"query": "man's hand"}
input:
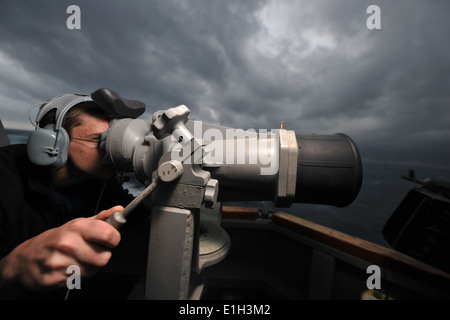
[(40, 263)]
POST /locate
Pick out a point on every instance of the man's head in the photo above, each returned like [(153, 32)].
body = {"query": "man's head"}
[(73, 134), (85, 124)]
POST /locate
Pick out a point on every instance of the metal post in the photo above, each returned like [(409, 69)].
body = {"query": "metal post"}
[(170, 253)]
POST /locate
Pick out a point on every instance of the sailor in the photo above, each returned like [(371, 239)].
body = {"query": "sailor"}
[(55, 193)]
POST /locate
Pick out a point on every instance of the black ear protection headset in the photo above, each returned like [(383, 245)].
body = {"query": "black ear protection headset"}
[(48, 146)]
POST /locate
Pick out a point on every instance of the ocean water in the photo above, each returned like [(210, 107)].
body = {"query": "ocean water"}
[(381, 192)]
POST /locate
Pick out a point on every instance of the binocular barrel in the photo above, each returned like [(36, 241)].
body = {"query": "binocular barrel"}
[(279, 166), (327, 170)]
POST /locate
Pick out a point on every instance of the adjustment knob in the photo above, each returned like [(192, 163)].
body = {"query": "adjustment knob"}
[(170, 170), (166, 122)]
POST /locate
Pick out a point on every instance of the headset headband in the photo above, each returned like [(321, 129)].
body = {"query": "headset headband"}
[(62, 103)]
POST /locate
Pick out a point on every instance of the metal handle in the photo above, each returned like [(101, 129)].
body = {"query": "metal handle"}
[(120, 218)]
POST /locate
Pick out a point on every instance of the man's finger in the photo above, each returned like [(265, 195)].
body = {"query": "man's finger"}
[(100, 232), (107, 213)]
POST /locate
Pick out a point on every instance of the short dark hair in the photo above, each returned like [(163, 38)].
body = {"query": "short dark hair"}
[(72, 117)]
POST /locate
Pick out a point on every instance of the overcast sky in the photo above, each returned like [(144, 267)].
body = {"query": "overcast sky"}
[(312, 64)]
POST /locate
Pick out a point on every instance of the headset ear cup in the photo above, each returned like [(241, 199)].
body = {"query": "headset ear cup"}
[(40, 146), (48, 149)]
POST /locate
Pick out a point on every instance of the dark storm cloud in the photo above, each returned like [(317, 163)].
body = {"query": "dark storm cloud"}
[(312, 64)]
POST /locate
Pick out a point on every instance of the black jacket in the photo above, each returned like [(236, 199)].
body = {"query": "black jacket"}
[(29, 205)]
